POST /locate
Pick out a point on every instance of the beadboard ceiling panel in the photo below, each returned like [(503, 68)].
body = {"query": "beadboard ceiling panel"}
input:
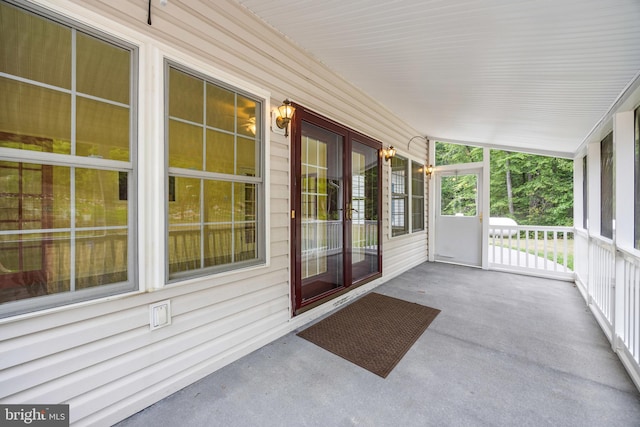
[(532, 75)]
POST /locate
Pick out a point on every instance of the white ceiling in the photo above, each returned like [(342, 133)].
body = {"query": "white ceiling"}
[(528, 74)]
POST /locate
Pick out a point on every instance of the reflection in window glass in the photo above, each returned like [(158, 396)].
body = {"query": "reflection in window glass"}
[(606, 186), (48, 119), (459, 195), (41, 198), (214, 146), (35, 48), (63, 229), (94, 78), (102, 130)]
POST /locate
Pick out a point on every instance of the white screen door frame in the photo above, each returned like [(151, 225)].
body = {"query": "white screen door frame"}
[(458, 235)]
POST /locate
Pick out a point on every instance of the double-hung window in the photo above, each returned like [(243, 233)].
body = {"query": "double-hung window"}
[(399, 196), (417, 196), (407, 196), (67, 162), (606, 186), (215, 194)]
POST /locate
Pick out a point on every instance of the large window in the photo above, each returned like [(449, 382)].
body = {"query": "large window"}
[(66, 162), (215, 185), (636, 192), (606, 186)]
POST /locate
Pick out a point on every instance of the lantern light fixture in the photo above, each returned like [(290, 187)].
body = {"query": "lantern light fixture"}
[(389, 153), (285, 113), (428, 171)]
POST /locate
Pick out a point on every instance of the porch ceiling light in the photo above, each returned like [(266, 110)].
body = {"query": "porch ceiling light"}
[(285, 113), (388, 153)]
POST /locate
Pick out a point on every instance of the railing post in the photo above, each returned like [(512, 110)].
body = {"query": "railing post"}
[(619, 289)]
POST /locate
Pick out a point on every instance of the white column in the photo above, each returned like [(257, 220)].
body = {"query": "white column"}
[(486, 208), (431, 214), (151, 176), (578, 174), (623, 142)]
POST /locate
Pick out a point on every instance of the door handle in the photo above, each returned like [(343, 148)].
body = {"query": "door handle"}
[(480, 216)]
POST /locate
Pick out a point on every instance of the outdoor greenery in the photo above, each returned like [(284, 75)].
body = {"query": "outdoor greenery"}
[(531, 189)]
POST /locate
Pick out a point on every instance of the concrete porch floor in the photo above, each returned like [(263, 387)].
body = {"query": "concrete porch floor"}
[(506, 350)]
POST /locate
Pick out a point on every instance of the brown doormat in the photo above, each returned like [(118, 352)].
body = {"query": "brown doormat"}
[(373, 332)]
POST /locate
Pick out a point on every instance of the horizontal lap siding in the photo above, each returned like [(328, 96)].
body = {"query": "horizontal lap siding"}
[(101, 357), (404, 252)]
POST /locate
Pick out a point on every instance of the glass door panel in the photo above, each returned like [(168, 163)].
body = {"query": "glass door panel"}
[(364, 211), (322, 220)]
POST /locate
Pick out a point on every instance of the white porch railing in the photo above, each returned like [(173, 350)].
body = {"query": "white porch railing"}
[(609, 279), (544, 251), (628, 299), (601, 281)]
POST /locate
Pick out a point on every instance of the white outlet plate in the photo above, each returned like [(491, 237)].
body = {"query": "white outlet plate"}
[(160, 314)]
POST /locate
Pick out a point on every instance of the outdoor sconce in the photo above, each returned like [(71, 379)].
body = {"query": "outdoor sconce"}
[(388, 153), (285, 113), (428, 171)]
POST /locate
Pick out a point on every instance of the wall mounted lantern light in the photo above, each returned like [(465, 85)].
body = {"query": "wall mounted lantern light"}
[(388, 153), (428, 171), (284, 115)]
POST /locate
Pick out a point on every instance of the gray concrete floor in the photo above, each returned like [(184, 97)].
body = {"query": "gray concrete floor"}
[(506, 350)]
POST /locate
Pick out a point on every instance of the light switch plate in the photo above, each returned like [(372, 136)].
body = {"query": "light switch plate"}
[(160, 314)]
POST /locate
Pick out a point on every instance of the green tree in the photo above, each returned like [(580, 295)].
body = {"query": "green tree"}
[(541, 188), (532, 189)]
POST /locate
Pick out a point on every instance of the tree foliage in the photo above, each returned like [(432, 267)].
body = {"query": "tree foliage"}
[(531, 189)]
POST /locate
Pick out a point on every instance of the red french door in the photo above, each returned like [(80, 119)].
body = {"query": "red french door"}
[(336, 209)]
